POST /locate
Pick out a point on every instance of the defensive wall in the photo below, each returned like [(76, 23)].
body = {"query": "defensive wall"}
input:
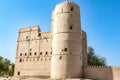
[(102, 72)]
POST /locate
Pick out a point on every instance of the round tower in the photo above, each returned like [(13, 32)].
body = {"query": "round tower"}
[(66, 45)]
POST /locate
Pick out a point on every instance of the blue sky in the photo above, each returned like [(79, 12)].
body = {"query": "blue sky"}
[(99, 18)]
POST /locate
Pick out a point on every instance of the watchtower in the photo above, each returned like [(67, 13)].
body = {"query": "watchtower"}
[(67, 43)]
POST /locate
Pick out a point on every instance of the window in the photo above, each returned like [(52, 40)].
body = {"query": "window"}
[(60, 57), (40, 53), (30, 49), (35, 53), (20, 54), (70, 52), (20, 60), (18, 73), (50, 53), (25, 54), (26, 37), (46, 53), (71, 15), (72, 9), (30, 54), (65, 49), (71, 27), (39, 34), (41, 59), (37, 59)]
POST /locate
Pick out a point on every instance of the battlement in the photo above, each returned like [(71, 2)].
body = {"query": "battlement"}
[(66, 4), (31, 28), (114, 67), (66, 7), (45, 35)]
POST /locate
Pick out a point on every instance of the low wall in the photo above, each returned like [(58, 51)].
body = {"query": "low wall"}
[(116, 73), (102, 72)]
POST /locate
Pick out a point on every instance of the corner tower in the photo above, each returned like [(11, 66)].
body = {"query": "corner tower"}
[(66, 45)]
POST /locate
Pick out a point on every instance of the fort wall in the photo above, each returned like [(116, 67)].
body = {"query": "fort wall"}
[(61, 53), (102, 72), (32, 59)]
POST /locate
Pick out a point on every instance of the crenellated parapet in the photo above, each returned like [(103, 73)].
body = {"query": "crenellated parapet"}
[(30, 28), (66, 7), (102, 72), (113, 67)]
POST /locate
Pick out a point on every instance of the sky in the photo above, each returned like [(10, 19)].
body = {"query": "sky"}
[(99, 18)]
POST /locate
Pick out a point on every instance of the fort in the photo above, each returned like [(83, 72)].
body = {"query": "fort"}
[(60, 53)]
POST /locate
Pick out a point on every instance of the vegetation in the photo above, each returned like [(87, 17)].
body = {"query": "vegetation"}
[(6, 67), (82, 79), (94, 60)]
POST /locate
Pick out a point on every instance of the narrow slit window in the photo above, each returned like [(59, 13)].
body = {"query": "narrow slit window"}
[(46, 53), (26, 37), (35, 53), (71, 27), (72, 9), (25, 54), (20, 60), (30, 54)]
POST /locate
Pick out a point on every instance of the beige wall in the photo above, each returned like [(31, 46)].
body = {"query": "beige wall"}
[(102, 72), (84, 47), (116, 73), (34, 51), (66, 63)]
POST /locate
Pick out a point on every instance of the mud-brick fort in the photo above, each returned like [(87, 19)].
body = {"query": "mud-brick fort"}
[(60, 53)]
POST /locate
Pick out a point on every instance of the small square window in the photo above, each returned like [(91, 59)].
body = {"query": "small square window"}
[(20, 60), (60, 57), (18, 73), (39, 34), (65, 49), (40, 53)]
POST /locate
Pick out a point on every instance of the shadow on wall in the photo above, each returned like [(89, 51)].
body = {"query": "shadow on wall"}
[(98, 72)]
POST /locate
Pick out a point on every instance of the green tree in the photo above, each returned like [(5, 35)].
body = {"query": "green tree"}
[(6, 67), (11, 69), (94, 60)]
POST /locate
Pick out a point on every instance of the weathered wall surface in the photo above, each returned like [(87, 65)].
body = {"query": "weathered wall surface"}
[(66, 45), (84, 47), (33, 56), (116, 73), (102, 72)]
